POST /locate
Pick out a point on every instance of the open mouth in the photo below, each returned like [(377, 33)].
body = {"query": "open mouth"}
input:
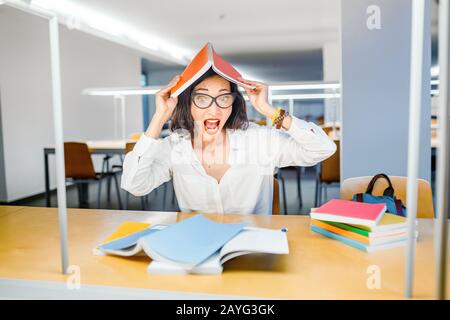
[(211, 125)]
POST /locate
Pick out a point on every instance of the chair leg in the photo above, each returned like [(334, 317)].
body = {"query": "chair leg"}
[(143, 206), (99, 194), (173, 194), (319, 187), (80, 195), (299, 186), (105, 169), (118, 191), (85, 194), (283, 187), (320, 193), (316, 198), (108, 184), (325, 192), (164, 196), (108, 189)]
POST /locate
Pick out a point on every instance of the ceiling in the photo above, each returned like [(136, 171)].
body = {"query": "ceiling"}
[(275, 40), (233, 27)]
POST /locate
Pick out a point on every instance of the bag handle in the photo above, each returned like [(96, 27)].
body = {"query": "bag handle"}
[(389, 191)]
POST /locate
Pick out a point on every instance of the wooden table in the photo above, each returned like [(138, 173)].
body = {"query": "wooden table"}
[(316, 268)]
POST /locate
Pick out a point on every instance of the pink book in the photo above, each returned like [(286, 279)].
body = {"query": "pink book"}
[(351, 212)]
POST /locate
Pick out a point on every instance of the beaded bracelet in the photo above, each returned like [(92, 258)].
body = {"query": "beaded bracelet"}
[(276, 114), (279, 120)]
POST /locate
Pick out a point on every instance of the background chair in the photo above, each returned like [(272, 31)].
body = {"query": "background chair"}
[(327, 172), (332, 130), (80, 170), (425, 207)]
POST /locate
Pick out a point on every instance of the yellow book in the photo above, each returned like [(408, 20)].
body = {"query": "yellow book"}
[(387, 222), (125, 229)]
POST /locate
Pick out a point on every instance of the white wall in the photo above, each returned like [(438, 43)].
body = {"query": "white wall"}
[(161, 78), (25, 83), (375, 90)]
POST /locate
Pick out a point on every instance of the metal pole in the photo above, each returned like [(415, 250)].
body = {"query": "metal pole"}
[(334, 107), (269, 120), (442, 171), (415, 98), (59, 140), (291, 106)]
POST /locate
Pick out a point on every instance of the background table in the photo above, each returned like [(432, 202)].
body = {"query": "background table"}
[(317, 267)]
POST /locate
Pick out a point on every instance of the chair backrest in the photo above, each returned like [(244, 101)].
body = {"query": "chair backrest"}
[(320, 120), (331, 168), (135, 136), (425, 207), (78, 161), (129, 146), (276, 197), (327, 130)]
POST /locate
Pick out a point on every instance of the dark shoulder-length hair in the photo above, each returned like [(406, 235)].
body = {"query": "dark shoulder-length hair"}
[(182, 117)]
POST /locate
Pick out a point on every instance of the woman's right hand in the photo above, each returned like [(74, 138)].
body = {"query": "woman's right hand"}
[(165, 104)]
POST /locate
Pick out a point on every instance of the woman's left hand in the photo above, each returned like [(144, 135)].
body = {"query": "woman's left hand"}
[(259, 97)]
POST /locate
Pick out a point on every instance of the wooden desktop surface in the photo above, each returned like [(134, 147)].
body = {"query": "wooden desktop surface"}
[(317, 267)]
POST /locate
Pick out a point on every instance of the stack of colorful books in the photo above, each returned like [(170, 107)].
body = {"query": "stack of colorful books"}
[(365, 226)]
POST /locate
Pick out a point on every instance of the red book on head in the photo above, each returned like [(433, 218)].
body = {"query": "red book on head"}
[(206, 58), (351, 212)]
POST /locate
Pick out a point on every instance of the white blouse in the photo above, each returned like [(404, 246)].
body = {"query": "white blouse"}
[(247, 185)]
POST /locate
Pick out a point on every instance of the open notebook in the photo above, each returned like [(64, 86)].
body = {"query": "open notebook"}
[(249, 240), (196, 245)]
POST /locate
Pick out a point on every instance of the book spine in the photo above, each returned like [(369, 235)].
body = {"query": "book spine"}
[(352, 243), (342, 232), (347, 220), (362, 232)]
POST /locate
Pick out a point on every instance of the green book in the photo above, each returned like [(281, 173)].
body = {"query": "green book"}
[(344, 226)]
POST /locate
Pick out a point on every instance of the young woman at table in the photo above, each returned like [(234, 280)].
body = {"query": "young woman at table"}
[(219, 162)]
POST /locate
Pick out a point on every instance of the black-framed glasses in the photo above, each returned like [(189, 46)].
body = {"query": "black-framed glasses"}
[(203, 100)]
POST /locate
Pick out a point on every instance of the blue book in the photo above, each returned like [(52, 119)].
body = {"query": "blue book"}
[(189, 242), (128, 245), (357, 244)]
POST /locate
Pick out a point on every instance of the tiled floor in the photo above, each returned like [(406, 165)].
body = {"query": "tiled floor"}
[(162, 199)]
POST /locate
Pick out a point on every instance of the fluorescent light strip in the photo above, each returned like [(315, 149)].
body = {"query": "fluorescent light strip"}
[(83, 18), (306, 86), (311, 96), (121, 91), (153, 90)]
